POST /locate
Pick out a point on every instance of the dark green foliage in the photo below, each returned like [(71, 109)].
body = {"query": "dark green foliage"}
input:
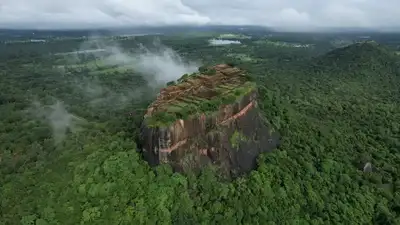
[(183, 114), (183, 78), (171, 83), (202, 69), (231, 64), (207, 71), (164, 118), (228, 99), (208, 106), (210, 72), (332, 122), (361, 58)]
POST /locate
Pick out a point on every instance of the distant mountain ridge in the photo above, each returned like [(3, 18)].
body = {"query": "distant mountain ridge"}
[(129, 30), (360, 56)]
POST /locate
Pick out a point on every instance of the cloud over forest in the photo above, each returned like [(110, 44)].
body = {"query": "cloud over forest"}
[(300, 14)]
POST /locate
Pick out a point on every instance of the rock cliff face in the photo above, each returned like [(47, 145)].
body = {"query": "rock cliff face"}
[(207, 119)]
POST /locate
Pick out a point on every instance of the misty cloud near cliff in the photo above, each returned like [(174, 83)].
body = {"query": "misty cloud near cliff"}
[(157, 64), (58, 118), (163, 64), (100, 95)]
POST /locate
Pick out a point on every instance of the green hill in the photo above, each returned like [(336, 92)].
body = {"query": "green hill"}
[(359, 58)]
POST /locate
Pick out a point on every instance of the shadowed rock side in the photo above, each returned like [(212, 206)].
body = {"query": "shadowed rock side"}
[(230, 138)]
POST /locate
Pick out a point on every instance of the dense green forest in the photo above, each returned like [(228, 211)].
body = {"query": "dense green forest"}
[(69, 123)]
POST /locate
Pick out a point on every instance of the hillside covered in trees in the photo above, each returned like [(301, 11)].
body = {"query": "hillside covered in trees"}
[(69, 125)]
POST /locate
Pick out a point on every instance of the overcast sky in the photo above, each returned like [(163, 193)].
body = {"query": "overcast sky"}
[(300, 14)]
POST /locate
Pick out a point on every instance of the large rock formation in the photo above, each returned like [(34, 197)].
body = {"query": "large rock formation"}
[(207, 118)]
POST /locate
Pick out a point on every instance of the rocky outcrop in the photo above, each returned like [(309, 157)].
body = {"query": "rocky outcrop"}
[(230, 137)]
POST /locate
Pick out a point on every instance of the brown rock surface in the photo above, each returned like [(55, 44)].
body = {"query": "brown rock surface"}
[(229, 137)]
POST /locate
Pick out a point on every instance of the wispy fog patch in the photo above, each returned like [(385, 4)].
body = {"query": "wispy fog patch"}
[(107, 50), (157, 63), (100, 95), (58, 118), (150, 68), (223, 42), (163, 64)]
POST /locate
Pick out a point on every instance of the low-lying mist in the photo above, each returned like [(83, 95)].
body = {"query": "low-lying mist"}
[(163, 65), (99, 95), (58, 118), (156, 65), (89, 73)]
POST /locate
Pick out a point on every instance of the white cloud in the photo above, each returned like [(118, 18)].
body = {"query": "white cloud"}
[(58, 118), (290, 17), (96, 13), (284, 13)]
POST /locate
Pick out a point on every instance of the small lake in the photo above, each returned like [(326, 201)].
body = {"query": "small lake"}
[(223, 42)]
